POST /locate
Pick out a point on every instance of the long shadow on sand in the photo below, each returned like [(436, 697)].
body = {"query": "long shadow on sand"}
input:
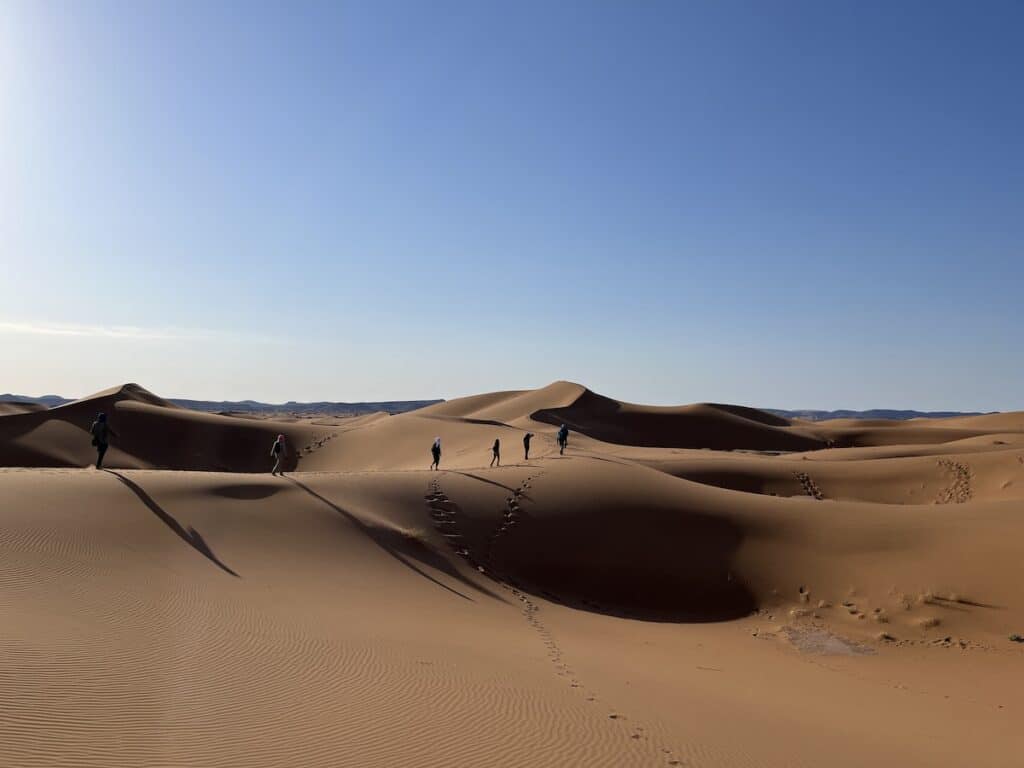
[(640, 562), (190, 536), (467, 420), (423, 553), (508, 488)]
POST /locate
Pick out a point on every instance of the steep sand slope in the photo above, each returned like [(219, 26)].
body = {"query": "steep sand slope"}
[(8, 407), (151, 432), (692, 426), (508, 407)]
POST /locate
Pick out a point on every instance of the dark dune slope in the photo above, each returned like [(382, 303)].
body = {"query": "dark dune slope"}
[(690, 426)]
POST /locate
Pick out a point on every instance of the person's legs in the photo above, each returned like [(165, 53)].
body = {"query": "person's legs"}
[(277, 463), (101, 449)]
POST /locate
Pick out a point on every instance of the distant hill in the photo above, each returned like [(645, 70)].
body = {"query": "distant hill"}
[(875, 413), (324, 407), (254, 407), (50, 401), (402, 406)]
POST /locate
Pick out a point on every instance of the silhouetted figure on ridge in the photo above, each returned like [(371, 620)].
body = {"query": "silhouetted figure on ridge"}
[(496, 452), (526, 445), (278, 451), (101, 432), (563, 439), (435, 450)]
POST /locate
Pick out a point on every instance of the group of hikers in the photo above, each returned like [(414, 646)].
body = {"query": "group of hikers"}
[(562, 437), (101, 432)]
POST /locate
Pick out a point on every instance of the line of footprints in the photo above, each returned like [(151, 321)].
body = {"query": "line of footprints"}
[(442, 511), (810, 487), (512, 517), (444, 514), (315, 445)]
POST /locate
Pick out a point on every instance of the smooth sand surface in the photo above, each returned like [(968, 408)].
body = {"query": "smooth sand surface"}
[(706, 585)]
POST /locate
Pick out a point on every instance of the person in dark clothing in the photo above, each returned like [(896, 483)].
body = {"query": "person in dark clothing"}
[(278, 451), (101, 432), (435, 451), (526, 445), (563, 439), (496, 452)]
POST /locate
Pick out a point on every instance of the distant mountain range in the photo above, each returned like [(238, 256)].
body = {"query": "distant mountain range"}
[(252, 406), (50, 401), (876, 413), (402, 406)]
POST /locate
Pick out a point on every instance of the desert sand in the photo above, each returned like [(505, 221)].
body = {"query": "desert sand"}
[(707, 585)]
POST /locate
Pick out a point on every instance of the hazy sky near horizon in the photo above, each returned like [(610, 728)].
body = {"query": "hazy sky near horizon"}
[(791, 204)]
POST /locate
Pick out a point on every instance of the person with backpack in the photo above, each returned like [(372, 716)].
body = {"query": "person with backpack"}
[(496, 452), (563, 439), (278, 451), (435, 451), (101, 432), (526, 445)]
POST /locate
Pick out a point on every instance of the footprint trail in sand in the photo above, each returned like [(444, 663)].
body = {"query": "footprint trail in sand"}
[(444, 514), (958, 491), (810, 487)]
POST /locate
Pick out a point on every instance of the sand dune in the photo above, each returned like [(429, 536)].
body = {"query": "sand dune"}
[(10, 407), (640, 601), (153, 433), (693, 426)]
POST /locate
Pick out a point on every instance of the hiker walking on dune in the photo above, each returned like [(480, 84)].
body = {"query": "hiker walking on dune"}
[(278, 451), (435, 451), (563, 439), (101, 432), (526, 445), (496, 452)]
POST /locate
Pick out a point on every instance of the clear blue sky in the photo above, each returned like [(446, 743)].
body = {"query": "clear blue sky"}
[(793, 204)]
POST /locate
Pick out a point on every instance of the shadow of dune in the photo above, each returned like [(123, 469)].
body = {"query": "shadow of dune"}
[(958, 602), (391, 541), (595, 457), (248, 492), (190, 536), (696, 426), (470, 475), (662, 565), (468, 420)]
